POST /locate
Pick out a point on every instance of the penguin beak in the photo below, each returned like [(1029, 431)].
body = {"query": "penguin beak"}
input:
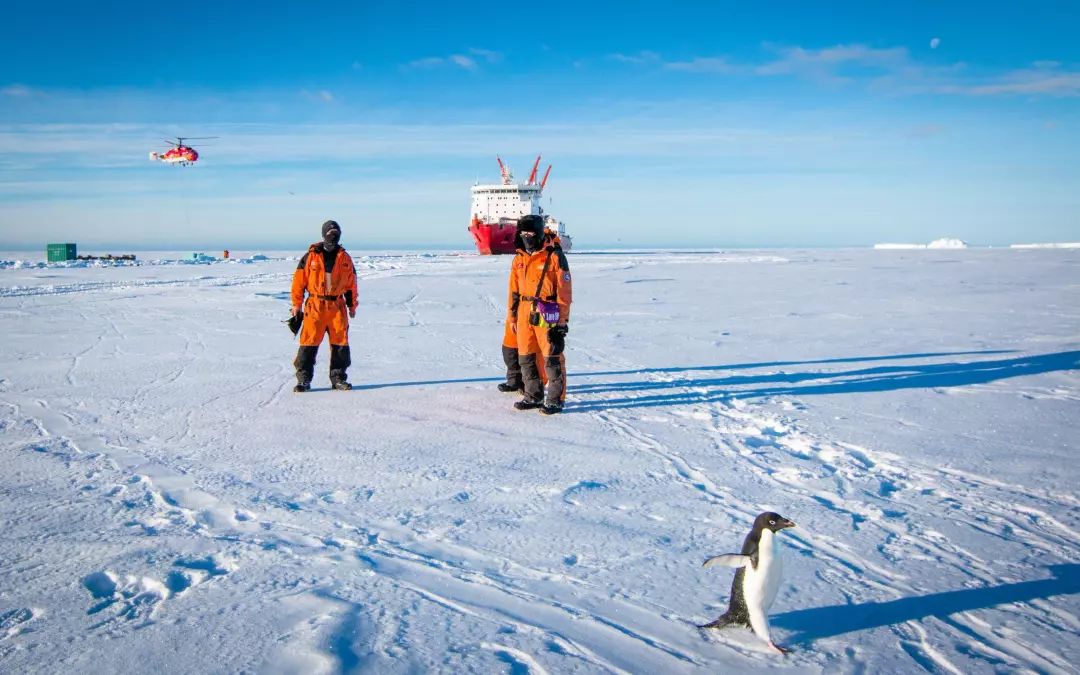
[(786, 524)]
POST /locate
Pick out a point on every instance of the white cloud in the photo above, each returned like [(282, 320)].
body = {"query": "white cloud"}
[(1034, 81), (17, 90), (428, 62), (934, 42), (466, 62), (463, 61), (322, 95), (836, 63), (706, 64), (486, 54), (641, 58)]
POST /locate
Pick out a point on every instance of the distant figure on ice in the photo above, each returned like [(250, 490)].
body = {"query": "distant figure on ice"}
[(327, 275), (537, 323), (758, 578)]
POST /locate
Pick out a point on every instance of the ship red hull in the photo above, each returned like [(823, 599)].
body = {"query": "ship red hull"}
[(493, 238)]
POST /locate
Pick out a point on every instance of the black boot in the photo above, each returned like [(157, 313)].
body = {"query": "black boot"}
[(305, 367), (509, 388), (528, 404), (551, 408), (340, 360)]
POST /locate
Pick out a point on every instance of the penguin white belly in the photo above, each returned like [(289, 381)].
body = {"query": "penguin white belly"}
[(760, 585)]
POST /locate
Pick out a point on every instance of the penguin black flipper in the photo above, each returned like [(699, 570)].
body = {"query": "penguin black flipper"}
[(738, 613)]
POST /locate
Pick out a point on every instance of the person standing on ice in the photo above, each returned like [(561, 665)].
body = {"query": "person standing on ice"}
[(514, 383), (542, 282), (326, 274)]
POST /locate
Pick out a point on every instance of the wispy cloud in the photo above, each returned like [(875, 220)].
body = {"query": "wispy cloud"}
[(101, 146), (321, 95), (426, 62), (835, 64), (707, 64), (486, 54), (1043, 79), (891, 70), (468, 61), (16, 90), (641, 58)]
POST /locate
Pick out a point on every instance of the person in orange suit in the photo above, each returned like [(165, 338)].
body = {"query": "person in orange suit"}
[(327, 276), (542, 317), (513, 383)]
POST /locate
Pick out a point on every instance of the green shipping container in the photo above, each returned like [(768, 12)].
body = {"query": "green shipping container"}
[(60, 252)]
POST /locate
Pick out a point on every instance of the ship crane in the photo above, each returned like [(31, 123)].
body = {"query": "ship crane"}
[(544, 181), (507, 175), (532, 174)]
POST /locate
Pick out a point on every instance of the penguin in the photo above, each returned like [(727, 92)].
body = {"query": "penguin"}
[(757, 579)]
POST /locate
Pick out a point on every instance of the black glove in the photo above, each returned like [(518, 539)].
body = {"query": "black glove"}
[(295, 321), (557, 338)]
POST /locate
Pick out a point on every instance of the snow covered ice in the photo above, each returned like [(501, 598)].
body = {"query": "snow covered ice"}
[(169, 505)]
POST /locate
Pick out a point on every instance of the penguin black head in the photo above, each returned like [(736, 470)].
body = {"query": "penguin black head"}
[(772, 521)]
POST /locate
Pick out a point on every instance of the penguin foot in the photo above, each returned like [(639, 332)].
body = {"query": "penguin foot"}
[(778, 649)]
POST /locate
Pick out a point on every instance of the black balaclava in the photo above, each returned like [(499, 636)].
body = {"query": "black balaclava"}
[(534, 224), (331, 235)]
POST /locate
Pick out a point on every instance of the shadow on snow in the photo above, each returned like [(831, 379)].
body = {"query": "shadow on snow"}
[(863, 380), (824, 622), (679, 369)]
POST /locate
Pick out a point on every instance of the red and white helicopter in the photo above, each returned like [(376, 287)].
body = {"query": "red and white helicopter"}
[(181, 154)]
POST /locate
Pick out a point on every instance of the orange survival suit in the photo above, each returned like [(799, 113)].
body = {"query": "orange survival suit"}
[(329, 281), (543, 275)]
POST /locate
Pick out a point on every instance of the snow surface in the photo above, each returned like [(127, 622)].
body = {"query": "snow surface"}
[(169, 505)]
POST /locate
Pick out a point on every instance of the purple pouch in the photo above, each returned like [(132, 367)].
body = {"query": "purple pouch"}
[(549, 312)]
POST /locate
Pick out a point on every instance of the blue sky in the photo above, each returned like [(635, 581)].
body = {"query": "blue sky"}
[(686, 124)]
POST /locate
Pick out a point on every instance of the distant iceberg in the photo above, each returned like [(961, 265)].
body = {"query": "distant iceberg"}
[(1071, 244), (946, 242)]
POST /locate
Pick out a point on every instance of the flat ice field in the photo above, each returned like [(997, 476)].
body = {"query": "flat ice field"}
[(169, 505)]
